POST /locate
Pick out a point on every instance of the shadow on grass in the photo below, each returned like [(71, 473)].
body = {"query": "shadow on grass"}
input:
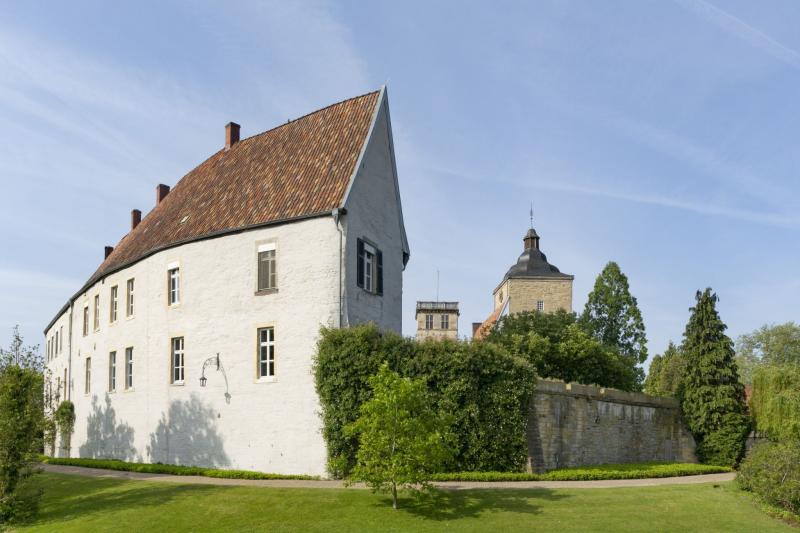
[(454, 504), (69, 497)]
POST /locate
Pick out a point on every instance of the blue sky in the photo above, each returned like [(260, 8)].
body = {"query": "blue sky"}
[(659, 134)]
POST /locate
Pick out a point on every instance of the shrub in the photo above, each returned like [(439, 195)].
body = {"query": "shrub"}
[(484, 389), (21, 416), (177, 470), (588, 473), (64, 419), (772, 470)]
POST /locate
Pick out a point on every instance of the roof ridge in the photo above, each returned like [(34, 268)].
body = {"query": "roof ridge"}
[(290, 121)]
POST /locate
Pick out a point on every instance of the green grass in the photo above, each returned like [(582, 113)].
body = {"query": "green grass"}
[(85, 504), (147, 468), (587, 473)]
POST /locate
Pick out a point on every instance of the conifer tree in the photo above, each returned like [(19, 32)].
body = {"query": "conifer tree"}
[(612, 316), (712, 397)]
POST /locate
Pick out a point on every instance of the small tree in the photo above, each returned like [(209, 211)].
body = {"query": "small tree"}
[(712, 397), (612, 315), (402, 440)]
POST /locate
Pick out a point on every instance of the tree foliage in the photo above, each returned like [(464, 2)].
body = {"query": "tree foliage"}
[(612, 316), (21, 398), (776, 344), (64, 418), (772, 470), (20, 355), (559, 348), (712, 397), (775, 403), (485, 390), (402, 439), (666, 373)]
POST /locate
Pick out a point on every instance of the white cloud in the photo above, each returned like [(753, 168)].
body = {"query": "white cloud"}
[(744, 31)]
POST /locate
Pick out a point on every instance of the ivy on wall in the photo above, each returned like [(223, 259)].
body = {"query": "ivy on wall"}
[(485, 390)]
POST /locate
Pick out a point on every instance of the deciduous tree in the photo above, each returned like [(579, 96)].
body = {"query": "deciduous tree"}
[(402, 440)]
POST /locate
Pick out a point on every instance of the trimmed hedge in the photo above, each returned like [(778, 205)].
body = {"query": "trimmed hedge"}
[(589, 473), (149, 468), (485, 391)]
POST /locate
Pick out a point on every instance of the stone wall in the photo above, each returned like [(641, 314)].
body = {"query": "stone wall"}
[(575, 425), (523, 293)]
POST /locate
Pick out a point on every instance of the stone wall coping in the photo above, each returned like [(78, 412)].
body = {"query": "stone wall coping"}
[(603, 394)]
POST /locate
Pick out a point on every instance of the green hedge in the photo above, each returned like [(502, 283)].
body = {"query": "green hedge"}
[(484, 389), (588, 473), (772, 471), (148, 468)]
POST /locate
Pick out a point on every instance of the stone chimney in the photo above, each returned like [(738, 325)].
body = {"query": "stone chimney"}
[(136, 217), (231, 134), (109, 249), (161, 192)]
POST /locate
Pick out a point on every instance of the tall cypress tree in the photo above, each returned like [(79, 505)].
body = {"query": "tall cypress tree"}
[(712, 397), (612, 316)]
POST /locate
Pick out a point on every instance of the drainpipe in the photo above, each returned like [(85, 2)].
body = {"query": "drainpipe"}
[(337, 217)]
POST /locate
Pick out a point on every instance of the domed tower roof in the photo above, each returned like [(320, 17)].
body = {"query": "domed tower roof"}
[(533, 263)]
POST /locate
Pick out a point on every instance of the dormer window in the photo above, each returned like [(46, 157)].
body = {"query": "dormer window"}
[(369, 269)]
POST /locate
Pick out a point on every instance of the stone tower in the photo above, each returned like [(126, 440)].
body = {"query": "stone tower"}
[(533, 284), (437, 320)]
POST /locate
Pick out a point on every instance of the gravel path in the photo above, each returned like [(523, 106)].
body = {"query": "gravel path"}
[(451, 485)]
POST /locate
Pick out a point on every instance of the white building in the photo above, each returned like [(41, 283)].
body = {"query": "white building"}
[(250, 253)]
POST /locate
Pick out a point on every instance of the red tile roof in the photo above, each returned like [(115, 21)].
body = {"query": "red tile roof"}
[(486, 327), (296, 170)]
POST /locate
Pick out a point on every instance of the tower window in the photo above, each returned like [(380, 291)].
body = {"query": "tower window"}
[(428, 321), (445, 321)]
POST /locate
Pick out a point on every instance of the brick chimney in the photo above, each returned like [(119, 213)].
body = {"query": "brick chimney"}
[(136, 217), (475, 327), (231, 134), (161, 192), (109, 249)]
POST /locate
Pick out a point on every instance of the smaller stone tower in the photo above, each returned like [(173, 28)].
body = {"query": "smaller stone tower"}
[(437, 320)]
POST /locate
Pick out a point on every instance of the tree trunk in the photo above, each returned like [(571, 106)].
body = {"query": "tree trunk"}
[(394, 496)]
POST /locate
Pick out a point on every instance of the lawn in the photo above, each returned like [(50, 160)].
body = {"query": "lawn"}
[(76, 503)]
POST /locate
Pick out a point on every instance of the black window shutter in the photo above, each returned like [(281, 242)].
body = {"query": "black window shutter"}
[(360, 263), (379, 260)]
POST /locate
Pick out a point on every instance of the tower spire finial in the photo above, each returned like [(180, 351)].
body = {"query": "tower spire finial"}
[(531, 215)]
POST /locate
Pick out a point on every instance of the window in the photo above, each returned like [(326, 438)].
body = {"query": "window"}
[(113, 302), (428, 321), (85, 320), (266, 352), (55, 344), (445, 321), (60, 339), (96, 312), (174, 286), (177, 360), (88, 386), (129, 305), (112, 371), (369, 269), (540, 305), (48, 349), (266, 267), (129, 368)]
